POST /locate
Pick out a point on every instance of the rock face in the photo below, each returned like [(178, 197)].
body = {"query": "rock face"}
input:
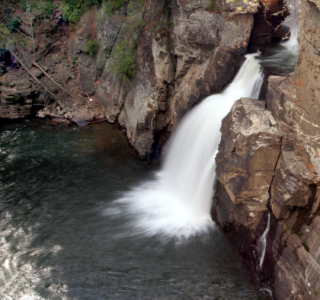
[(185, 51), (278, 175), (16, 96), (267, 23), (248, 154)]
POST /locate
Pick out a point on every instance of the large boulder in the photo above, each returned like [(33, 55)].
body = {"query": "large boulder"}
[(247, 157)]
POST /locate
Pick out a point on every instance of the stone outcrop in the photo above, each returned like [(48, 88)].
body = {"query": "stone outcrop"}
[(290, 189), (248, 154), (185, 51), (267, 23), (262, 169), (16, 96)]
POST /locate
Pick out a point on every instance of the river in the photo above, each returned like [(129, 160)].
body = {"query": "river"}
[(56, 242)]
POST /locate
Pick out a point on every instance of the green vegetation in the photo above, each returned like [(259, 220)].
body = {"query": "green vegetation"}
[(34, 10), (40, 9), (124, 59), (8, 40), (73, 9), (124, 55), (13, 23), (111, 6), (213, 6), (92, 46)]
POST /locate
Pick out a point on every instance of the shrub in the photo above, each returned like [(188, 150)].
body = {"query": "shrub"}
[(8, 40), (133, 23), (13, 23), (132, 6), (73, 9), (40, 9), (124, 59), (111, 6), (92, 46), (124, 55)]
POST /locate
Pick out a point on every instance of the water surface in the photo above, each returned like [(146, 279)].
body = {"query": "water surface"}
[(57, 243)]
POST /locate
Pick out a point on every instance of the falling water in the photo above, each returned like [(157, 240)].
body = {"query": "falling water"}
[(177, 202), (262, 243)]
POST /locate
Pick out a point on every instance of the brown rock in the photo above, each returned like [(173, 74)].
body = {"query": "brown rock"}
[(297, 271), (293, 184), (247, 157)]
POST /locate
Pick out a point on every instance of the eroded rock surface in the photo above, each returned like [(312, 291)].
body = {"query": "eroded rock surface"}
[(16, 95), (184, 53), (248, 154), (291, 192)]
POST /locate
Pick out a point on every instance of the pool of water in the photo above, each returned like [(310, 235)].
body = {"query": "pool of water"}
[(56, 242)]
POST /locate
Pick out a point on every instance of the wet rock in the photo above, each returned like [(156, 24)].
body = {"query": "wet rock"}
[(15, 111)]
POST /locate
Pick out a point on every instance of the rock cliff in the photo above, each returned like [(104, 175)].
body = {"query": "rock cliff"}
[(268, 163), (184, 50), (268, 160)]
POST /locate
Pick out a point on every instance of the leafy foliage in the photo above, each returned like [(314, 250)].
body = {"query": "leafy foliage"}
[(111, 6), (125, 60), (92, 46), (40, 9), (73, 9), (8, 39), (124, 56), (13, 23)]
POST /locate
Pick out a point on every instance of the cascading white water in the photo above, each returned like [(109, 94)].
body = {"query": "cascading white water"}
[(177, 202), (283, 56), (262, 243)]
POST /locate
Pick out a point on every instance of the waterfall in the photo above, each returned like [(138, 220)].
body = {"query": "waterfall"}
[(177, 202), (262, 243)]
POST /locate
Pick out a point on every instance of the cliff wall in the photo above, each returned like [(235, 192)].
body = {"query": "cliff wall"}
[(268, 163), (184, 50), (268, 160)]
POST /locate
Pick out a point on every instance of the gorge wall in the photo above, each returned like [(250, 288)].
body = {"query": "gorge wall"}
[(268, 160), (268, 163), (185, 51)]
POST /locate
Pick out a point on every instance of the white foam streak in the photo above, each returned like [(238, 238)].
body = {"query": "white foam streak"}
[(262, 242), (177, 203)]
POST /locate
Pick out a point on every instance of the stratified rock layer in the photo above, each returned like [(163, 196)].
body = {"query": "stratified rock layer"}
[(288, 189), (248, 154)]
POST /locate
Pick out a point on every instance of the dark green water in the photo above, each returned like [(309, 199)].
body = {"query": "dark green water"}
[(56, 242)]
